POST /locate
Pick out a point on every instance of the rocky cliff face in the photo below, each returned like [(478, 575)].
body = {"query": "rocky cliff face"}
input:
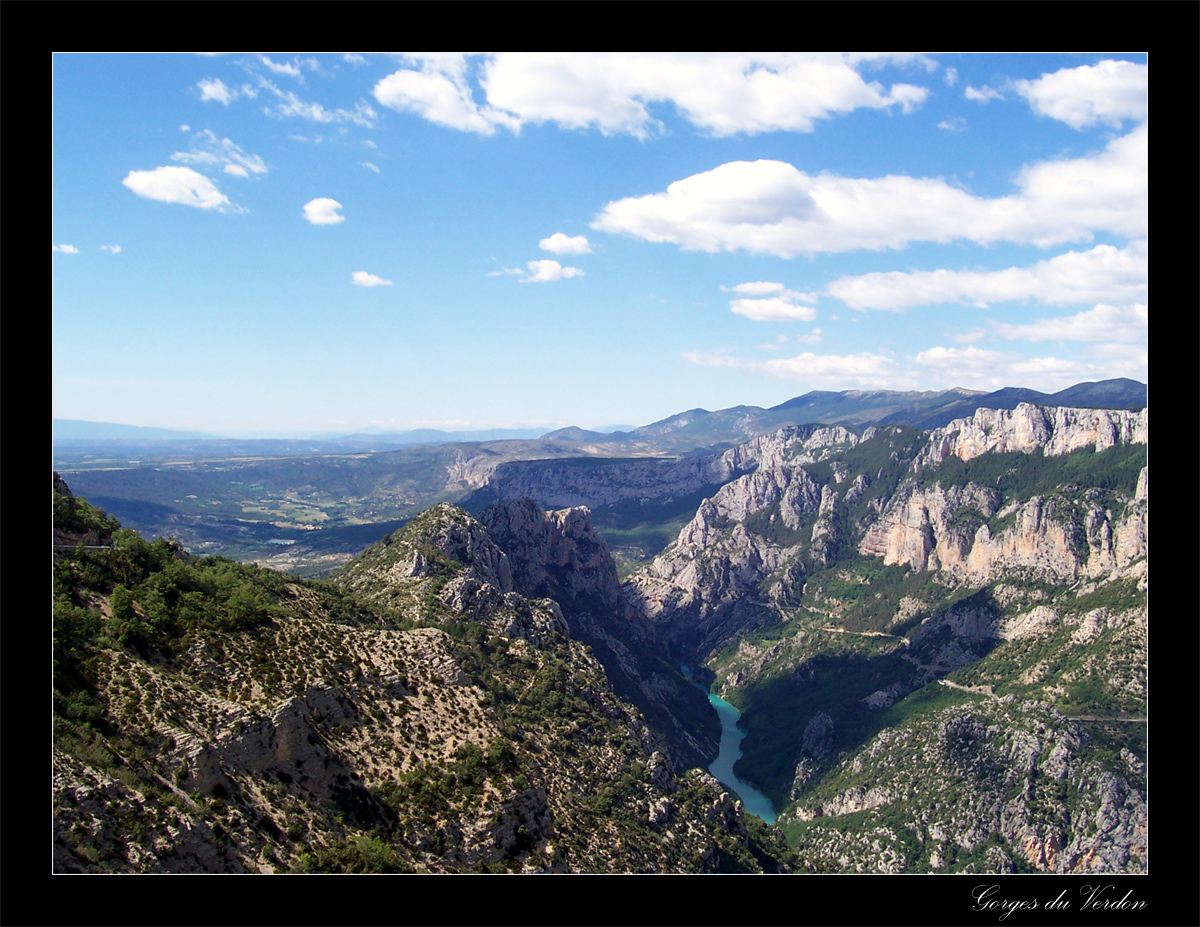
[(750, 529), (560, 556), (1028, 428), (555, 484), (763, 523), (996, 786), (1003, 555), (1054, 538)]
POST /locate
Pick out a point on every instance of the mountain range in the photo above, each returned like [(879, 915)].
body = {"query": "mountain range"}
[(685, 432), (936, 639)]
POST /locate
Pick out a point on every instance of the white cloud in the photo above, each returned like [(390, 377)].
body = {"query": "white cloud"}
[(770, 207), (111, 249), (559, 243), (942, 357), (356, 60), (362, 278), (722, 94), (982, 94), (1104, 273), (779, 306), (179, 185), (1116, 324), (208, 149), (65, 249), (757, 288), (371, 167), (976, 368), (951, 76), (323, 211), (772, 310), (829, 371), (955, 124), (549, 271), (291, 70), (294, 107), (1105, 191), (439, 92), (215, 89), (1109, 92)]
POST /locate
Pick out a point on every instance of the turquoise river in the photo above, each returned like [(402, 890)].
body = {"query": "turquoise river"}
[(754, 801)]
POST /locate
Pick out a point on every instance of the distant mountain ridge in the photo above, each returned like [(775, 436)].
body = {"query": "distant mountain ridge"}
[(695, 431), (699, 430)]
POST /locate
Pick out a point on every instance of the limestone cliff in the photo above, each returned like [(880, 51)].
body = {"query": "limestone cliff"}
[(1004, 556), (1058, 539), (993, 786), (1028, 427), (560, 556), (595, 482)]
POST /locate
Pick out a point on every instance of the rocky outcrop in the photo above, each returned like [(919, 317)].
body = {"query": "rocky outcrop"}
[(1029, 427), (447, 554), (557, 555), (595, 482), (560, 556), (1053, 537), (1006, 769), (716, 561)]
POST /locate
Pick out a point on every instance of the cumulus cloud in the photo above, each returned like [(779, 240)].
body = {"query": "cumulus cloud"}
[(215, 89), (65, 249), (1117, 324), (362, 278), (440, 93), (559, 243), (1105, 273), (323, 211), (371, 167), (111, 249), (772, 310), (1109, 92), (179, 185), (549, 271), (982, 94), (721, 94), (771, 207), (976, 368), (766, 301)]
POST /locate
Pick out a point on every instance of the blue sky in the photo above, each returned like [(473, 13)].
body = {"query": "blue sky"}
[(288, 244)]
